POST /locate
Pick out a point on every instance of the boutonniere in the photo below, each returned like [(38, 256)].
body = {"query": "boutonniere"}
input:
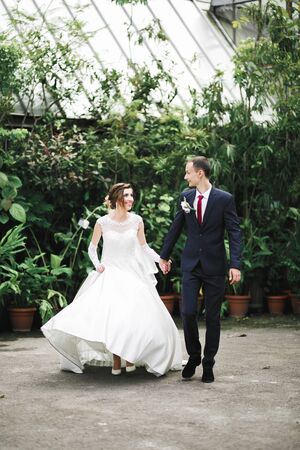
[(186, 206)]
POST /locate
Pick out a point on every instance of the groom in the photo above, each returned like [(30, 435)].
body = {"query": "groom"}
[(206, 213)]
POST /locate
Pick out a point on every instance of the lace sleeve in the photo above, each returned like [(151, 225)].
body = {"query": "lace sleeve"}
[(146, 261), (92, 251), (150, 252)]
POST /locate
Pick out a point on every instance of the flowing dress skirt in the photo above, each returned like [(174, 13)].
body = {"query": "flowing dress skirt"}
[(116, 312)]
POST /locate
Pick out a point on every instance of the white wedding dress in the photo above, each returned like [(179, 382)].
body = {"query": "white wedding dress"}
[(117, 311)]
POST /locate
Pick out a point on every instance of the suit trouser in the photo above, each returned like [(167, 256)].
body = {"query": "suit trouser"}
[(213, 287)]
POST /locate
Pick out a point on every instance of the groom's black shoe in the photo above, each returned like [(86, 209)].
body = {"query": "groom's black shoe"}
[(208, 375), (190, 368)]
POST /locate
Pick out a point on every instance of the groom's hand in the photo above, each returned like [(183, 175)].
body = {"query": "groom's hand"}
[(165, 266), (234, 276)]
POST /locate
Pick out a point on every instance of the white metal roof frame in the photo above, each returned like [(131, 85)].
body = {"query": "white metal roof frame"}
[(196, 47)]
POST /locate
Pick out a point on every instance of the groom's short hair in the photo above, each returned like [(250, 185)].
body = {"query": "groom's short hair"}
[(201, 162)]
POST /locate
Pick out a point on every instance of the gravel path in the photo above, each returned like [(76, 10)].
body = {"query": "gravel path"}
[(253, 404)]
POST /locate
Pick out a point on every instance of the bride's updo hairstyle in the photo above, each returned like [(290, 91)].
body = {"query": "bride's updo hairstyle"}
[(116, 194)]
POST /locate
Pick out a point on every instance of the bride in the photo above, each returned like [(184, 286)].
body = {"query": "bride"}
[(117, 317)]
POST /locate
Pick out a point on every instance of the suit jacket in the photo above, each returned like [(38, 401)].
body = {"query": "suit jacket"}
[(205, 242)]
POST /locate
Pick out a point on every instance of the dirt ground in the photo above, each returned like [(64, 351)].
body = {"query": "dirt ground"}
[(253, 404)]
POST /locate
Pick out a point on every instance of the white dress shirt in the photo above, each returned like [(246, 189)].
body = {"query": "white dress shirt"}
[(204, 200)]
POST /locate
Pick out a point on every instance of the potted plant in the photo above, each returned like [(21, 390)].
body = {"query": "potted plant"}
[(293, 269), (238, 298), (255, 254), (170, 286), (31, 282), (12, 243), (35, 290), (276, 279), (12, 274), (249, 292), (293, 276), (169, 296)]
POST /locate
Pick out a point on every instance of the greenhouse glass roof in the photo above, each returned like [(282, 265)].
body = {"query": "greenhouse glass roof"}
[(195, 47)]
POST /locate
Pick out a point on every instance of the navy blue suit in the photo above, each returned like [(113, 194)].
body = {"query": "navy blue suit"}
[(203, 264)]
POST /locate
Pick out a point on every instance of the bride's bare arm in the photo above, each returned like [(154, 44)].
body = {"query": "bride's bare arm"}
[(92, 250), (141, 234)]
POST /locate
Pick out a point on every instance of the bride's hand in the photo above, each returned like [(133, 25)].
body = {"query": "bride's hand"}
[(101, 268)]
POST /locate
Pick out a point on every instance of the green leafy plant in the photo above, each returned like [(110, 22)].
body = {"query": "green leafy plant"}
[(9, 185), (136, 134), (10, 57), (255, 255), (293, 261), (28, 281), (53, 303), (155, 208), (12, 243)]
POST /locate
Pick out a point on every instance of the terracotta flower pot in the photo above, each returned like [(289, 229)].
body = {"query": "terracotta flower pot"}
[(295, 300), (169, 301), (276, 304), (238, 305), (21, 318)]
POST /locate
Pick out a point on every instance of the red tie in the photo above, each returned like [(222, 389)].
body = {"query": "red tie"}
[(199, 209)]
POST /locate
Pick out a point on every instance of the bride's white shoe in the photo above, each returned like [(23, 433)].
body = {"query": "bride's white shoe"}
[(130, 368), (116, 371)]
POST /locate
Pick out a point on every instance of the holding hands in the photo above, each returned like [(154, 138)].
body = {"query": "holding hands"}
[(234, 274), (165, 266)]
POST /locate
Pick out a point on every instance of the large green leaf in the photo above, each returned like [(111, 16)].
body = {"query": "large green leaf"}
[(3, 180), (62, 270), (11, 243), (46, 310), (18, 212), (55, 261), (9, 286), (60, 297), (14, 181), (4, 218), (6, 203), (9, 192)]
